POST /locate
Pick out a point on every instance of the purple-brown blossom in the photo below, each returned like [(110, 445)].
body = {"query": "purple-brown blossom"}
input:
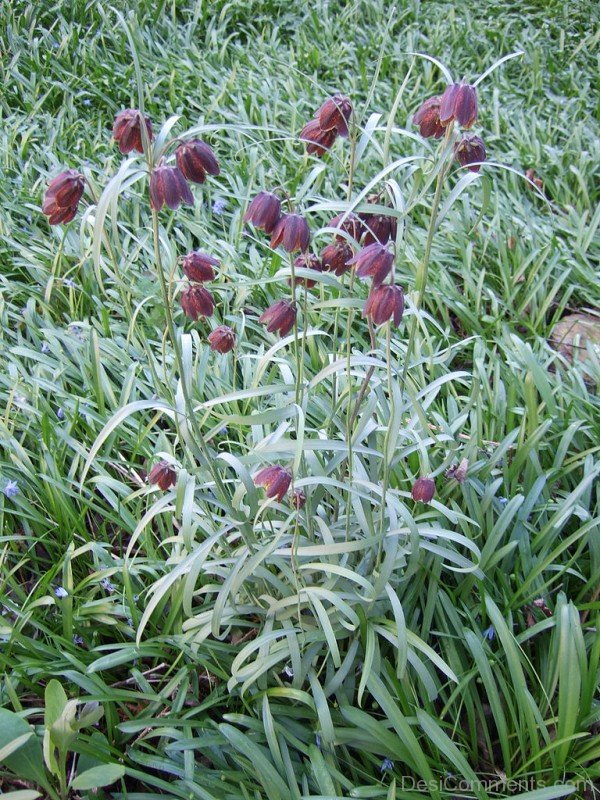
[(335, 114), (374, 261), (428, 118), (279, 317), (292, 232), (336, 257), (222, 339), (423, 490), (385, 303), (275, 480), (319, 141), (196, 160), (307, 261), (62, 196), (162, 475), (459, 102), (264, 211), (168, 187), (199, 267), (127, 130), (470, 152), (196, 301)]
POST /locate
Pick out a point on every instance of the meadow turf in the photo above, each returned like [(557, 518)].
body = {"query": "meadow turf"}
[(363, 643)]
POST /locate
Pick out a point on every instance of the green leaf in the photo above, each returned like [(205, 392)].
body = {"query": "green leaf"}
[(27, 762), (95, 777)]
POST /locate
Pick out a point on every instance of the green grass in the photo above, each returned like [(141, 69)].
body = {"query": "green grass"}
[(244, 650)]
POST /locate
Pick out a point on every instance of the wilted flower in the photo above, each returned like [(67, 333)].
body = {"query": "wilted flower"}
[(264, 211), (168, 187), (319, 141), (470, 151), (459, 102), (350, 224), (428, 118), (458, 471), (307, 261), (531, 176), (222, 339), (127, 130), (374, 261), (196, 301), (298, 498), (385, 303), (336, 257), (275, 479), (195, 159), (423, 490), (335, 114), (292, 232), (163, 475), (279, 317), (62, 196), (198, 266)]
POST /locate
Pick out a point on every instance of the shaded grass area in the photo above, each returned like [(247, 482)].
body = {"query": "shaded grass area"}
[(407, 668)]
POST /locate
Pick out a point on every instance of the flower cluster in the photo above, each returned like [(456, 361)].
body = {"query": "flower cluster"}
[(330, 121), (195, 160), (62, 196), (196, 301), (457, 104)]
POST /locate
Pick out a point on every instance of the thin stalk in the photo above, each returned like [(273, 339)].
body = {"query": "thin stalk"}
[(386, 461), (296, 340)]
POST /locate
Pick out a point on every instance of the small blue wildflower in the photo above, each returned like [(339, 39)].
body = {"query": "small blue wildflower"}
[(318, 740), (288, 672), (77, 639), (223, 429), (28, 218), (130, 622), (70, 283), (45, 348), (219, 206), (136, 597), (489, 633), (11, 489), (386, 765), (60, 592), (87, 101), (503, 500), (106, 584), (60, 413)]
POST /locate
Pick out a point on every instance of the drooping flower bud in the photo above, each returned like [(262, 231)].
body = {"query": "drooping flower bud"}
[(336, 257), (264, 211), (385, 303), (222, 339), (423, 490), (374, 261), (196, 159), (319, 141), (279, 317), (127, 130), (350, 224), (62, 196), (307, 261), (298, 498), (459, 102), (198, 266), (428, 118), (335, 114), (470, 152), (168, 187), (275, 480), (163, 475), (196, 301), (292, 232), (378, 227)]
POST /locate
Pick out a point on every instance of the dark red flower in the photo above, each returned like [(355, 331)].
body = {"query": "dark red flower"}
[(62, 196), (127, 130), (350, 224), (459, 102), (195, 159), (319, 141), (275, 479), (470, 152), (379, 227), (298, 498), (198, 266), (336, 257), (264, 211), (197, 301), (423, 490), (335, 114), (292, 232), (373, 261), (222, 339), (428, 118), (385, 303), (168, 187), (163, 475), (307, 261), (279, 317)]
